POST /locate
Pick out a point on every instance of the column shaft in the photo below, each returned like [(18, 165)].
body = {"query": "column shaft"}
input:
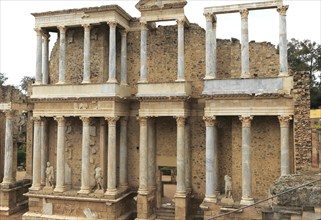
[(123, 181), (246, 161), (151, 154), (180, 53), (85, 172), (143, 52), (124, 57), (44, 150), (283, 41), (285, 150), (181, 186), (60, 181), (112, 52), (143, 156), (38, 56), (112, 155), (210, 46), (36, 160), (8, 151), (188, 176), (62, 54), (86, 77), (245, 44), (45, 58), (103, 151)]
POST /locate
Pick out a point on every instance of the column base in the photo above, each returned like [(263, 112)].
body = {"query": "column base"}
[(247, 201), (112, 81), (37, 83), (35, 188), (8, 181), (143, 81), (84, 191), (142, 191), (210, 199), (60, 189), (111, 192), (180, 80), (283, 74), (85, 82), (209, 77), (180, 194), (245, 75), (60, 82)]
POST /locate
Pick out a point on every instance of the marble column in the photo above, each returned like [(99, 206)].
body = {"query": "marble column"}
[(211, 159), (143, 156), (44, 149), (62, 54), (85, 156), (245, 57), (112, 52), (123, 180), (181, 185), (112, 155), (151, 151), (45, 58), (246, 161), (283, 44), (86, 77), (103, 151), (143, 52), (210, 46), (36, 159), (38, 56), (8, 177), (188, 174), (60, 176), (123, 60), (180, 53), (285, 148)]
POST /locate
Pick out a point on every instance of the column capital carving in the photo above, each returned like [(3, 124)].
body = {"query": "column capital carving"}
[(142, 120), (9, 114), (143, 25), (60, 120), (46, 35), (112, 24), (282, 9), (210, 17), (85, 120), (284, 120), (244, 13), (210, 121), (180, 121), (86, 27), (124, 120), (38, 30), (62, 29), (180, 22), (246, 121), (124, 32), (36, 119), (112, 120)]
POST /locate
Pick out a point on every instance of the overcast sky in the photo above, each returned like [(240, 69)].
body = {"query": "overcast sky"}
[(18, 39)]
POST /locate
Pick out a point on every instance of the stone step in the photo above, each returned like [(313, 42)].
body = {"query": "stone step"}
[(165, 214)]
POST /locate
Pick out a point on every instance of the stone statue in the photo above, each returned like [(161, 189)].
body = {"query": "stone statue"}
[(49, 175), (228, 186), (98, 178)]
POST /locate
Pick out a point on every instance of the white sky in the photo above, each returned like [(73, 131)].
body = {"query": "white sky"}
[(18, 39)]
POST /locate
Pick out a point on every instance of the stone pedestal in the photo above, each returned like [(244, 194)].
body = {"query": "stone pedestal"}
[(181, 207), (144, 209)]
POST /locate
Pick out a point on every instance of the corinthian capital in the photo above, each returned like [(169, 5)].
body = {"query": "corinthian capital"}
[(210, 121), (246, 121), (9, 114), (112, 120), (60, 120), (282, 9), (284, 120), (244, 13), (85, 120), (180, 121)]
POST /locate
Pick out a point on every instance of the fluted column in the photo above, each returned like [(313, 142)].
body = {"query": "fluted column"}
[(246, 161), (124, 57), (112, 52), (36, 159), (38, 56), (188, 175), (62, 54), (151, 154), (245, 57), (143, 52), (123, 180), (181, 186), (85, 172), (211, 159), (60, 180), (180, 53), (112, 155), (86, 77), (45, 58), (143, 156), (8, 177), (283, 44), (285, 150), (44, 149), (210, 46)]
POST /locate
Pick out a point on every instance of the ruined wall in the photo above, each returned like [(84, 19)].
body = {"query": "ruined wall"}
[(302, 124), (316, 148)]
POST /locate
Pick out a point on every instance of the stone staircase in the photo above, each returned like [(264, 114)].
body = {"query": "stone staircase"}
[(167, 213)]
